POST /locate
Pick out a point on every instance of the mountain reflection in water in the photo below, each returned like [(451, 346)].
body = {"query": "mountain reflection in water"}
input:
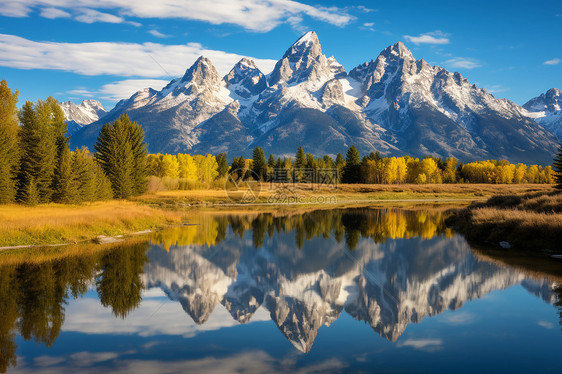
[(386, 267)]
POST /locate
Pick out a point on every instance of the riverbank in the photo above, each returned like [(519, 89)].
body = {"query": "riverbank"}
[(56, 223), (530, 221)]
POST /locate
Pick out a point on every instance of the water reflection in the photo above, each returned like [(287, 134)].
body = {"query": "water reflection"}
[(386, 267), (33, 296), (306, 268)]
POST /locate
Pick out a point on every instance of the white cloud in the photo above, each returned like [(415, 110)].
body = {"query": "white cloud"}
[(545, 324), (463, 63), (496, 88), (157, 34), (422, 344), (147, 60), (53, 13), (369, 24), (125, 88), (434, 37), (157, 315), (255, 361), (458, 318), (554, 61), (254, 15), (91, 16)]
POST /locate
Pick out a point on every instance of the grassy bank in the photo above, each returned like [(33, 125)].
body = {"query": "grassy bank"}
[(346, 193), (56, 223), (528, 221)]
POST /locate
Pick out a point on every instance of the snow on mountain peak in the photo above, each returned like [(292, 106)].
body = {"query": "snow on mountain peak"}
[(86, 112), (245, 79), (201, 72)]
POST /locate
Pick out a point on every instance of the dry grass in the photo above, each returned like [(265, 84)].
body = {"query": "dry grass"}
[(531, 221), (348, 193), (55, 223)]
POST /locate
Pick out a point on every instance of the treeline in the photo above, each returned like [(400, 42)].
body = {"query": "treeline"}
[(370, 169), (37, 165)]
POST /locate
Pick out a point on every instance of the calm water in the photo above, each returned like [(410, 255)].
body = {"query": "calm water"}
[(372, 290)]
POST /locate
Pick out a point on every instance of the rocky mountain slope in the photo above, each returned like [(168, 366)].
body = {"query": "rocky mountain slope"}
[(395, 105), (77, 116)]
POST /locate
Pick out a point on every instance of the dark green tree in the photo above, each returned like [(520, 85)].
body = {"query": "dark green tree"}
[(299, 164), (352, 168), (259, 166), (92, 183), (121, 152), (64, 186), (557, 167), (38, 153), (271, 161), (9, 144), (120, 285), (222, 163)]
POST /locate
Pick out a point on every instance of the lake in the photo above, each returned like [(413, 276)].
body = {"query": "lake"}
[(335, 290)]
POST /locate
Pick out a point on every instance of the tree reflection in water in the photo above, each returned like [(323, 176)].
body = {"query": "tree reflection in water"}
[(33, 296)]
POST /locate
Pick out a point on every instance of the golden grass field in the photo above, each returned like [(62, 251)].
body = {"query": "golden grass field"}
[(56, 223)]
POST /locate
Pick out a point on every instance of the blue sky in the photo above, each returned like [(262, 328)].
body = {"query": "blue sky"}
[(108, 49)]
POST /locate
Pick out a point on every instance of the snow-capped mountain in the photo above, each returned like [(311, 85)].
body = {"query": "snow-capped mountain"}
[(77, 116), (546, 110), (387, 285), (396, 105)]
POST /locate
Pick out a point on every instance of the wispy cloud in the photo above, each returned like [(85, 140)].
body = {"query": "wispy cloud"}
[(463, 63), (108, 58), (157, 34), (368, 26), (254, 15), (53, 13), (422, 344), (496, 88), (545, 324), (554, 61), (458, 318), (90, 16), (434, 37), (125, 88)]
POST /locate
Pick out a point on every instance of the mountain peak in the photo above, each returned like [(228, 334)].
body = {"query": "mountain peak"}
[(399, 50), (201, 71), (550, 101), (306, 45), (245, 78)]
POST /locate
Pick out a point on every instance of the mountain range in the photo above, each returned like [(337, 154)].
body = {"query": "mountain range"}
[(78, 116), (395, 105)]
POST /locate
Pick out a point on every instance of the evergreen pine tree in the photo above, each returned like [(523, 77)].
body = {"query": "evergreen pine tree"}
[(557, 167), (259, 166), (64, 184), (222, 163), (352, 168), (9, 144), (121, 152), (340, 163), (38, 151), (65, 187), (271, 161), (299, 165)]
